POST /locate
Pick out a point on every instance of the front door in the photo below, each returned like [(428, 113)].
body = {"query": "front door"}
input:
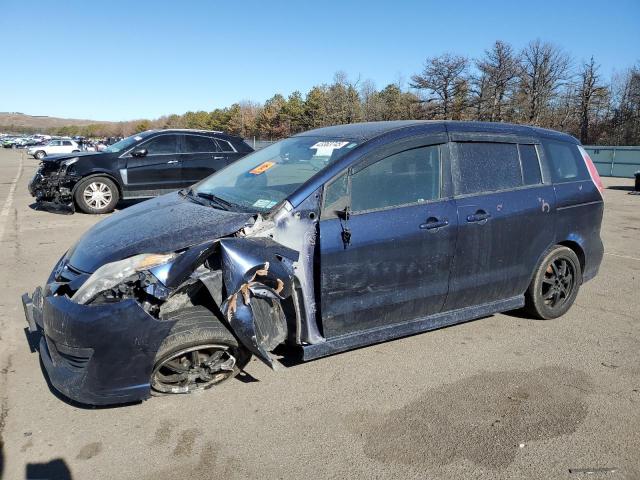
[(156, 172), (389, 260)]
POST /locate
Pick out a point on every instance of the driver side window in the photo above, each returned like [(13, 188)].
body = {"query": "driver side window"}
[(404, 178), (162, 145)]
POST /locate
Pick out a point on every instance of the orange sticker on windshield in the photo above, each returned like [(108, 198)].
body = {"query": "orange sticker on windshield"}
[(263, 167)]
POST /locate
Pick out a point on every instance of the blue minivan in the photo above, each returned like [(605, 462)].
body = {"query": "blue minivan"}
[(329, 240)]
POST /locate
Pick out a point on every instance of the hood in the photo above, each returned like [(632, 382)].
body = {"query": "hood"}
[(163, 224), (56, 158)]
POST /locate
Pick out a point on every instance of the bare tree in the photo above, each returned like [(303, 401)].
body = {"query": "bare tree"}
[(544, 69), (442, 78), (498, 71), (590, 94), (626, 119)]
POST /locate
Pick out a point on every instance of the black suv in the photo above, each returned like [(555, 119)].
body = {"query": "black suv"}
[(140, 166)]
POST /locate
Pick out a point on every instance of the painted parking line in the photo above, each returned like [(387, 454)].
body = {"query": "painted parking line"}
[(6, 207), (622, 256)]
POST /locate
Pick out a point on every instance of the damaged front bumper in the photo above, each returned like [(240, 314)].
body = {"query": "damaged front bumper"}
[(53, 189), (95, 354)]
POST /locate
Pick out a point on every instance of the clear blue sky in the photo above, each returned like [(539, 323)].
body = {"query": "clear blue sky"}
[(121, 60)]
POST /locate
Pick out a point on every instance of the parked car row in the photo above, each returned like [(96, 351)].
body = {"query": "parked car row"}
[(9, 141), (333, 239), (82, 144)]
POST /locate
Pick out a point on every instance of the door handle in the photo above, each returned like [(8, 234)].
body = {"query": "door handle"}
[(218, 158), (433, 223), (479, 216), (172, 161)]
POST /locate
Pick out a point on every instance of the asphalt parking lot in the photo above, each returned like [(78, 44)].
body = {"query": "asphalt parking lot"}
[(500, 397)]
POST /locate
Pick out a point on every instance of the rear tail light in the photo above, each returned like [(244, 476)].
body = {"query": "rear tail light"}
[(593, 171)]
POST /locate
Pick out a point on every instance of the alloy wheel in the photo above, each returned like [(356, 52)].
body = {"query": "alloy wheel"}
[(194, 368), (558, 282), (97, 195)]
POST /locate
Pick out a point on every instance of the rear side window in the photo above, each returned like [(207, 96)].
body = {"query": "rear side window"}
[(530, 165), (199, 144), (485, 167), (66, 143), (412, 176), (566, 162)]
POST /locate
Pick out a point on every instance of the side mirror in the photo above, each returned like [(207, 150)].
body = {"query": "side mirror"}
[(139, 152)]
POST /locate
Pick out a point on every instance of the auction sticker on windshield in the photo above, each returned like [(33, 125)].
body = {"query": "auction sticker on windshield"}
[(326, 148), (263, 167), (331, 145)]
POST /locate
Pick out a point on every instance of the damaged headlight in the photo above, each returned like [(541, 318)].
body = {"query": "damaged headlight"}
[(65, 164), (112, 274), (71, 161)]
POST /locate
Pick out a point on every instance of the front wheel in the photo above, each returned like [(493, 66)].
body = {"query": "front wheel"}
[(555, 284), (40, 154), (96, 195), (199, 353)]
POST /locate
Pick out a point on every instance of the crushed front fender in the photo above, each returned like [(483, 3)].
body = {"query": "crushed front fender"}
[(257, 275)]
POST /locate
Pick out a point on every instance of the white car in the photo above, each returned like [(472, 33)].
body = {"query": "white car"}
[(53, 147)]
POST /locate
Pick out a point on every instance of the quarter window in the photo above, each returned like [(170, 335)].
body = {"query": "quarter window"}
[(164, 144), (408, 177), (566, 162), (530, 165), (336, 195), (485, 167), (225, 146), (199, 144)]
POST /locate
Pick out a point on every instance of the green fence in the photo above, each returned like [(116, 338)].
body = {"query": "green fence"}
[(615, 161)]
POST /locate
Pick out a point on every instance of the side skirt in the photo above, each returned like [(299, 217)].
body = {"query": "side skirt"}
[(381, 334), (140, 194)]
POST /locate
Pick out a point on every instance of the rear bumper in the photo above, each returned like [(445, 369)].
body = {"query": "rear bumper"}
[(593, 260), (97, 355)]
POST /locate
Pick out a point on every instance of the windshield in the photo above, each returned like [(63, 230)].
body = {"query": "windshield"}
[(263, 179), (123, 144)]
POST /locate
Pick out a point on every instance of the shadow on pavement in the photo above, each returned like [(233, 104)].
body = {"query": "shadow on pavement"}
[(624, 188), (55, 469), (64, 209)]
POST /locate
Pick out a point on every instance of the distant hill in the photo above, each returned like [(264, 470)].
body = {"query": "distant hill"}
[(37, 122)]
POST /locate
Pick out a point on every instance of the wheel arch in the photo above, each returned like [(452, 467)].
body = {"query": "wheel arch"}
[(98, 173), (571, 243), (577, 249)]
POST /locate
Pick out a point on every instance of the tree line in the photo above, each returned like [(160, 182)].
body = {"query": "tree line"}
[(540, 84)]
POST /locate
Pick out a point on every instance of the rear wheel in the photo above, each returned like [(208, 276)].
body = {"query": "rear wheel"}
[(555, 284), (199, 353), (96, 195)]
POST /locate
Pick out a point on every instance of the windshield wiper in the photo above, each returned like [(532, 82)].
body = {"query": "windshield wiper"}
[(217, 200), (188, 193), (212, 199)]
